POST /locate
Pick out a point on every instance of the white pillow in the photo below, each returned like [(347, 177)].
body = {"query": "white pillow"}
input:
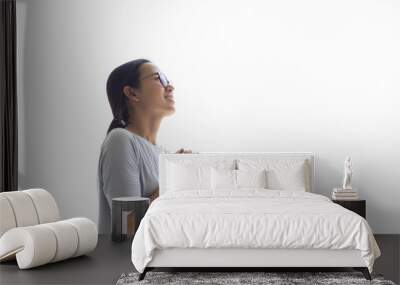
[(282, 174), (236, 179), (251, 178), (182, 177), (292, 178), (223, 179)]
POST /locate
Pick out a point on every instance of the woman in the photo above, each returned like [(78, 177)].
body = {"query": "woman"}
[(140, 96)]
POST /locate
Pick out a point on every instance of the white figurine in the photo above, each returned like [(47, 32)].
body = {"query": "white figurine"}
[(348, 172)]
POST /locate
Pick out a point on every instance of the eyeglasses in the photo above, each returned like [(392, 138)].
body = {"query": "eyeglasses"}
[(160, 76)]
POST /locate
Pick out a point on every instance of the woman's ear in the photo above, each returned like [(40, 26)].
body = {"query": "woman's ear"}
[(129, 92)]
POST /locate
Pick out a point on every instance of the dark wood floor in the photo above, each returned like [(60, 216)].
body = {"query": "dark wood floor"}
[(110, 260)]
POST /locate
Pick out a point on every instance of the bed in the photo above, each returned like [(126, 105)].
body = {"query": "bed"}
[(242, 210)]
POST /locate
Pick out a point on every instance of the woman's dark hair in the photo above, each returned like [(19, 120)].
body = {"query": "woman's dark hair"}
[(125, 74)]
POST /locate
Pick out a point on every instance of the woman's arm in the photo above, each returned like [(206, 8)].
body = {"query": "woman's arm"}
[(154, 195), (119, 169), (181, 150)]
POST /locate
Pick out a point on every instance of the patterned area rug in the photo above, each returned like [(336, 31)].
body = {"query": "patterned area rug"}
[(275, 278)]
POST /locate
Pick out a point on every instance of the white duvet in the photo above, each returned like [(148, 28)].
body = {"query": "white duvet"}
[(250, 218)]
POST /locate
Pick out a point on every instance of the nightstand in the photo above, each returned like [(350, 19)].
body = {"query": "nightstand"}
[(126, 214), (357, 206)]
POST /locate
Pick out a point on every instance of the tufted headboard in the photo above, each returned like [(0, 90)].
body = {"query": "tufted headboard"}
[(212, 158)]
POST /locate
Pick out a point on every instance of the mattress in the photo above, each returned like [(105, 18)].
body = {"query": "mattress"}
[(250, 218)]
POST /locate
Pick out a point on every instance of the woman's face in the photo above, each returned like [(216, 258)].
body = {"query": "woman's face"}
[(152, 96)]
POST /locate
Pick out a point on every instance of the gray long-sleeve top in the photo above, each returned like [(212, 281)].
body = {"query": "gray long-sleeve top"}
[(127, 166)]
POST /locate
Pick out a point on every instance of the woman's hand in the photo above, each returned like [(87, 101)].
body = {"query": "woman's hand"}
[(153, 195), (183, 151)]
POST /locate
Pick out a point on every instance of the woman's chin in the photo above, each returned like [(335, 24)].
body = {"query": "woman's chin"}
[(170, 110)]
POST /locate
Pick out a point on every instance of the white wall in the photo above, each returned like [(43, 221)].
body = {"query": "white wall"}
[(320, 76)]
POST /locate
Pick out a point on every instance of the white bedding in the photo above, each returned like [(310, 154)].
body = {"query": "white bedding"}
[(250, 218)]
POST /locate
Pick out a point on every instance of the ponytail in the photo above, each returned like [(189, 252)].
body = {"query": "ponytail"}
[(115, 123)]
